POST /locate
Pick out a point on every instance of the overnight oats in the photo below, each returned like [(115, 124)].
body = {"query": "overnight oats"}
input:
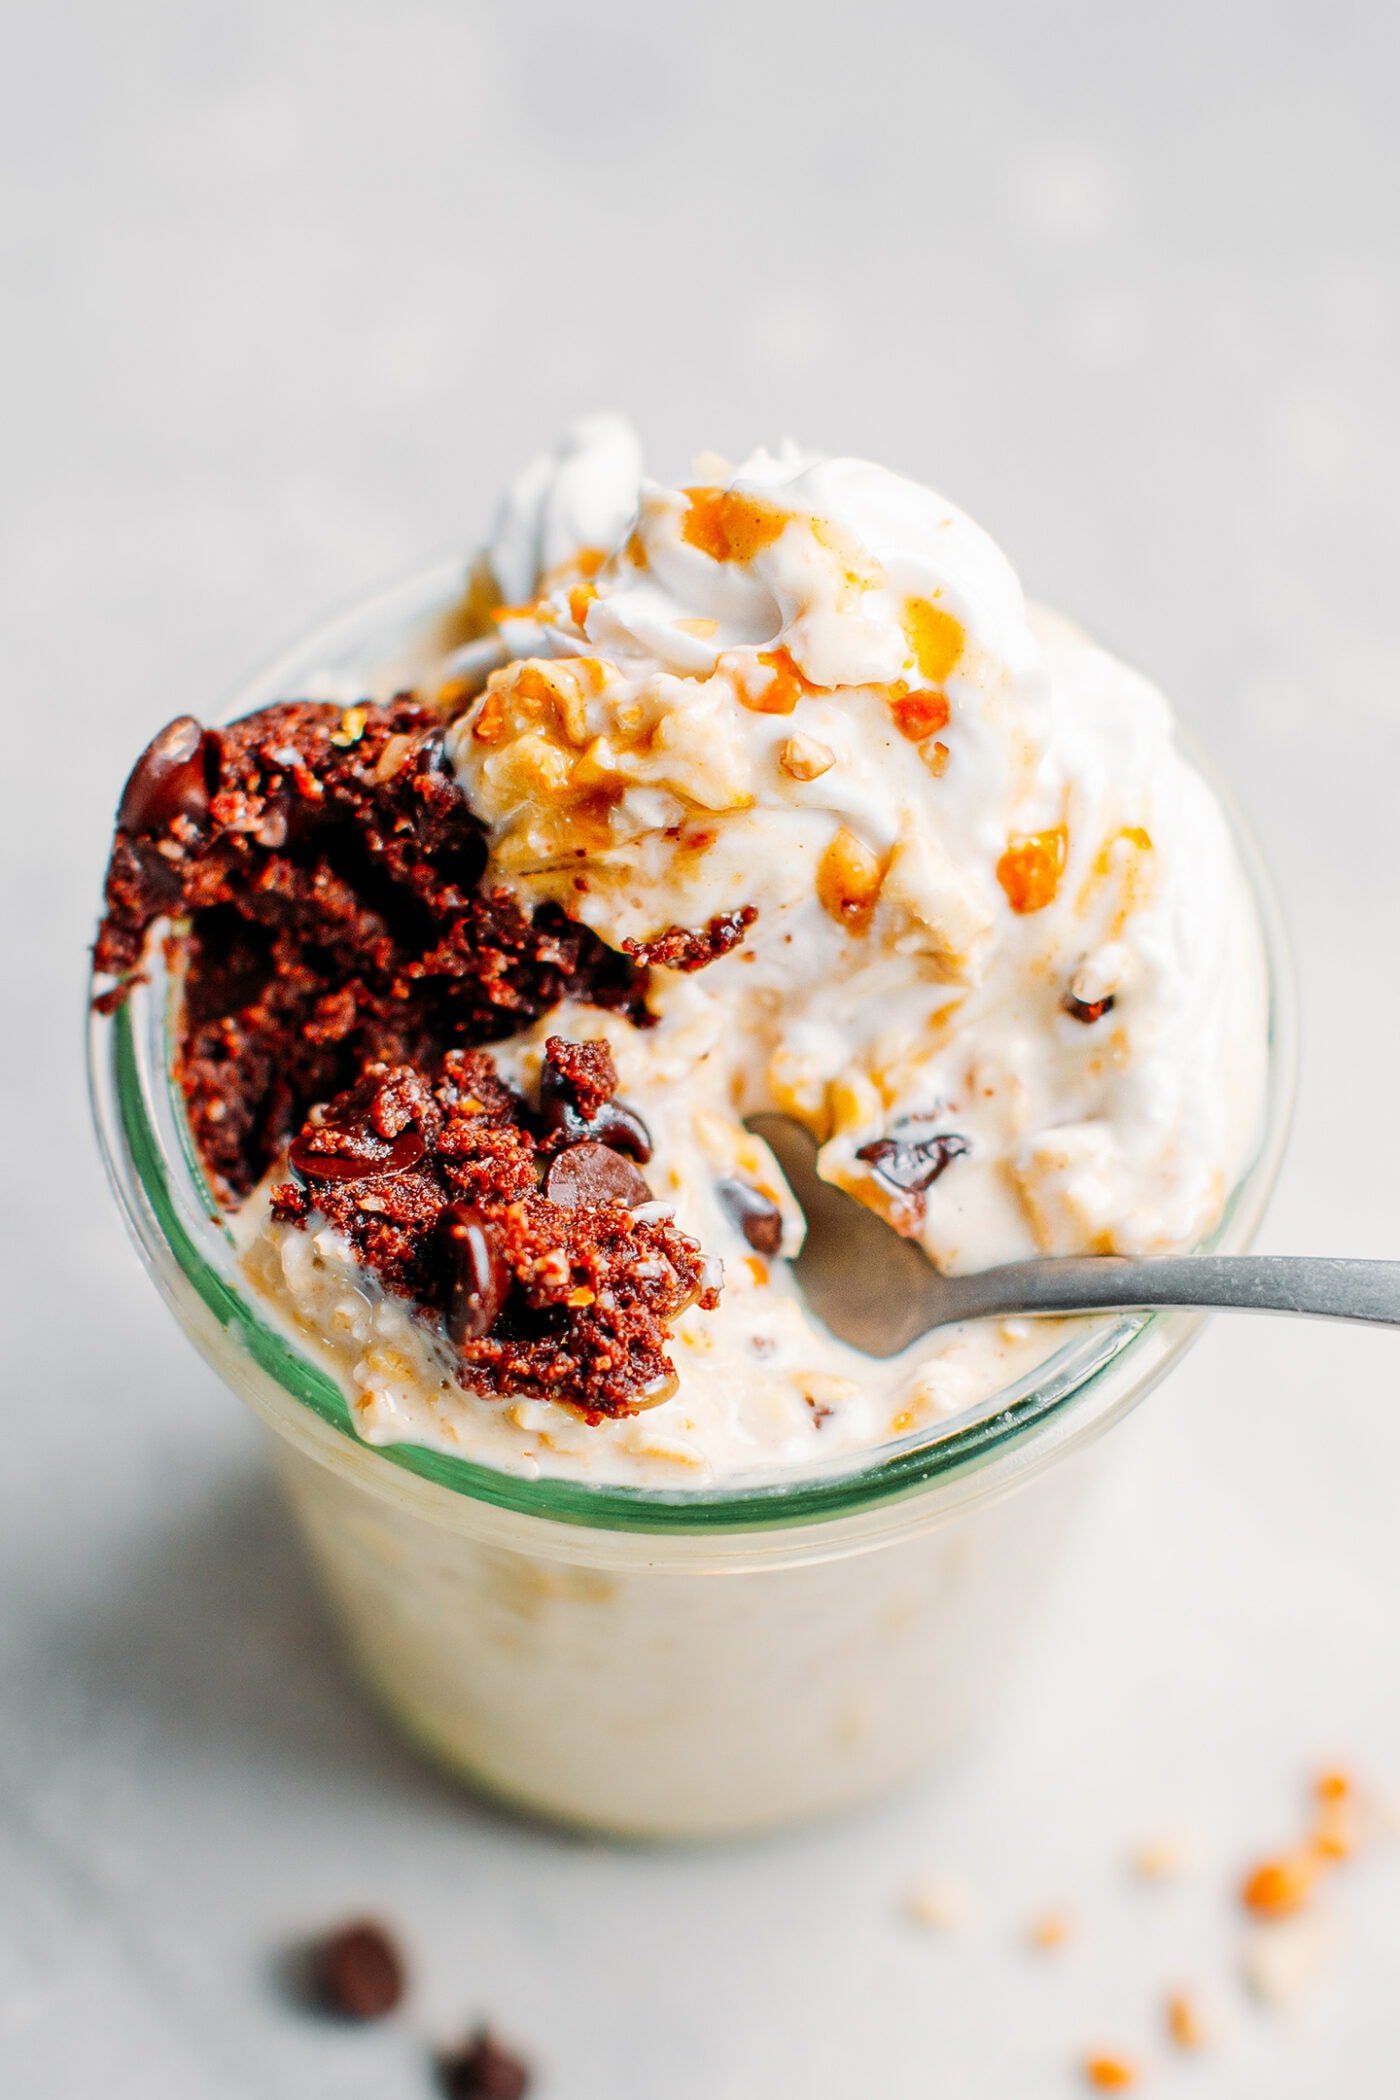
[(458, 975)]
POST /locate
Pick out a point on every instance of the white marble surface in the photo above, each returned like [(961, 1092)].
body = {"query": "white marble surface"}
[(288, 289)]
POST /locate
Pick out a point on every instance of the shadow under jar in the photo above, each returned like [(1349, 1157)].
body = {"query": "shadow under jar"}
[(645, 1662)]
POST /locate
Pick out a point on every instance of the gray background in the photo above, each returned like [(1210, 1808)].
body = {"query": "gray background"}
[(288, 290)]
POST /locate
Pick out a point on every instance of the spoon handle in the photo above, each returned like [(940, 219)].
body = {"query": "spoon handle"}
[(1291, 1283)]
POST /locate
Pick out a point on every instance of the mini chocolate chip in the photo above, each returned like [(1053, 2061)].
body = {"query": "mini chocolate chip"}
[(483, 2070), (1088, 1010), (359, 1972), (913, 1164), (431, 755), (614, 1123), (478, 1278), (621, 1127), (592, 1173), (353, 1154), (751, 1212), (172, 778)]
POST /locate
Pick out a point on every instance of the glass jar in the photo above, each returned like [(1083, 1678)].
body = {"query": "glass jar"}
[(647, 1662)]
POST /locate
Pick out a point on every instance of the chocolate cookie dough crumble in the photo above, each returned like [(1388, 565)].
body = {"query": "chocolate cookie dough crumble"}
[(456, 1193), (342, 963)]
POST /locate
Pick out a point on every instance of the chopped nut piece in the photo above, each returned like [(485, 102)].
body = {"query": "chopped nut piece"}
[(352, 727), (919, 714), (803, 758), (1279, 1961), (1051, 1929), (1110, 2074), (1184, 2023), (937, 1903), (1158, 1858), (392, 758), (848, 880)]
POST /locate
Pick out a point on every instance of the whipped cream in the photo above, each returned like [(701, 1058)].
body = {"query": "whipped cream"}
[(1003, 960)]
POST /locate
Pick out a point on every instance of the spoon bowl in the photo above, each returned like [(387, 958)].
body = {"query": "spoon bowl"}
[(879, 1291)]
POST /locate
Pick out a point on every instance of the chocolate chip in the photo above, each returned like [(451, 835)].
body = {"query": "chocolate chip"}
[(592, 1173), (484, 2070), (173, 777), (478, 1278), (359, 1972), (913, 1164), (621, 1127), (575, 1105), (329, 1153), (1088, 1010), (751, 1212)]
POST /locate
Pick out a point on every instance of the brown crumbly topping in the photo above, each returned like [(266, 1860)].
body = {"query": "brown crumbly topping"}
[(550, 1286), (330, 868), (687, 948), (585, 1072), (325, 873)]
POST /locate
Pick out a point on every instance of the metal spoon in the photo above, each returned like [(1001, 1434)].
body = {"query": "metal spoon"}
[(880, 1292)]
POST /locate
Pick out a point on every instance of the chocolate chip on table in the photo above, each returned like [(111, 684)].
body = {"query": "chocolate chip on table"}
[(1088, 1010), (484, 2070), (174, 777), (593, 1173), (913, 1164), (358, 1972), (751, 1212), (478, 1276)]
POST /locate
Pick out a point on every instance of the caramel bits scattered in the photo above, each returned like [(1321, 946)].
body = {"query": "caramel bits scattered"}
[(1051, 1930), (781, 692), (1334, 1833), (803, 758), (935, 638), (1110, 2074), (937, 1903), (1030, 869), (1279, 1887), (848, 880), (580, 598), (730, 526), (1184, 2023), (919, 714), (1158, 1858), (352, 727)]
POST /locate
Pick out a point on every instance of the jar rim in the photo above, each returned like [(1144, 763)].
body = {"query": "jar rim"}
[(1069, 1397)]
